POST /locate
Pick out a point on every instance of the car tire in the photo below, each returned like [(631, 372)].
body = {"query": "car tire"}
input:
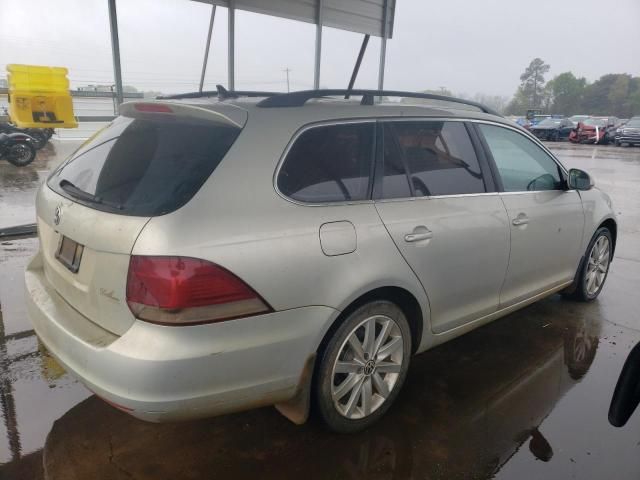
[(21, 154), (363, 366), (594, 268), (617, 143)]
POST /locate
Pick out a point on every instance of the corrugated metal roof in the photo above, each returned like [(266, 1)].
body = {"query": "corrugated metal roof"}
[(361, 16)]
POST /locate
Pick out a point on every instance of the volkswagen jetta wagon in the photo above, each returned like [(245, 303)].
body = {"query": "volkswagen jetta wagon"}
[(205, 255)]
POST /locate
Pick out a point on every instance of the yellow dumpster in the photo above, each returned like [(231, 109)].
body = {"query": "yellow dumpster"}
[(39, 97)]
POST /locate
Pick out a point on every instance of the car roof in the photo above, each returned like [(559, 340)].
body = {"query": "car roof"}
[(330, 109)]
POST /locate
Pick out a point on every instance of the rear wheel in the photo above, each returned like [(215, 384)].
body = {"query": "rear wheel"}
[(21, 154), (595, 267), (363, 367)]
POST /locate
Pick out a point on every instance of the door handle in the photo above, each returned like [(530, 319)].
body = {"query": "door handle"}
[(419, 233), (521, 219)]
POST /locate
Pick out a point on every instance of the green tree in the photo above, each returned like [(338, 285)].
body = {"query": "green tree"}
[(633, 102), (618, 95), (533, 82), (568, 92), (596, 95)]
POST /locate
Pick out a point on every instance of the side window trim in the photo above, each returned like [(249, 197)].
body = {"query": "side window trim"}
[(492, 182), (373, 156), (562, 172), (378, 162), (377, 193), (487, 156)]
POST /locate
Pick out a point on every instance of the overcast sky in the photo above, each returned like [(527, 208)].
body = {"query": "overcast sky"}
[(465, 46)]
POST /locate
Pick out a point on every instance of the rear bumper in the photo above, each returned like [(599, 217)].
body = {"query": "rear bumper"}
[(159, 373)]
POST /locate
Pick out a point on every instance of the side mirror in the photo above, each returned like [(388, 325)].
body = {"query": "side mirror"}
[(579, 180)]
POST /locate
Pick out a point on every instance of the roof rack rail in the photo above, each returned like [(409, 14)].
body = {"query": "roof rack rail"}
[(298, 99), (220, 92)]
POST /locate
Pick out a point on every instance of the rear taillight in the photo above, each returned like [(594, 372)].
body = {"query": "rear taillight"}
[(187, 291)]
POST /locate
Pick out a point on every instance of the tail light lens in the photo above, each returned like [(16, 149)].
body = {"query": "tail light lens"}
[(188, 291)]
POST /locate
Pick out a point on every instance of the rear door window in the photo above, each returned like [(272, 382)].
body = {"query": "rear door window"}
[(438, 158), (144, 167), (329, 164)]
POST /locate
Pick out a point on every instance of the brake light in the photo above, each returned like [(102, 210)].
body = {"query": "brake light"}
[(187, 291), (153, 108)]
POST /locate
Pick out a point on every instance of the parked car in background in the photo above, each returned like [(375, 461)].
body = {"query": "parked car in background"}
[(522, 121), (595, 130), (537, 119), (629, 134), (575, 119), (278, 266), (553, 129)]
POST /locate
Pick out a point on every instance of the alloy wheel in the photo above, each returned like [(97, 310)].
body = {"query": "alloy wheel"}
[(367, 367), (598, 265)]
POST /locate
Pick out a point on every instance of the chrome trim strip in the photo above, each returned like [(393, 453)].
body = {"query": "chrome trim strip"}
[(435, 197)]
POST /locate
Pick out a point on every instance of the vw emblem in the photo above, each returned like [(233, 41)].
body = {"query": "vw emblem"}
[(57, 215)]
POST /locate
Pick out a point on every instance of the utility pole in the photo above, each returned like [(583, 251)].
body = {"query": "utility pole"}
[(287, 70)]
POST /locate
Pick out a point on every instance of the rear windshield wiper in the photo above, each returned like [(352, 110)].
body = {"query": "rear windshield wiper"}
[(75, 192)]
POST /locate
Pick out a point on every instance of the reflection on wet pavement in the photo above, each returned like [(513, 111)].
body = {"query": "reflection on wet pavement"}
[(18, 185), (524, 397)]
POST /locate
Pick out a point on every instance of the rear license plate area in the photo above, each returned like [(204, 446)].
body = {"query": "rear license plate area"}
[(69, 253)]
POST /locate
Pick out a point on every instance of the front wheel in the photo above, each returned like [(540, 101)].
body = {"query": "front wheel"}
[(363, 367), (595, 267), (21, 154)]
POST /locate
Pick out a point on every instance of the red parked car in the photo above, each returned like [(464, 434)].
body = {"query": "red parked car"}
[(595, 130)]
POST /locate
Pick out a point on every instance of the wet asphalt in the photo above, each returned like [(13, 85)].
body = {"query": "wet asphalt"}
[(525, 397)]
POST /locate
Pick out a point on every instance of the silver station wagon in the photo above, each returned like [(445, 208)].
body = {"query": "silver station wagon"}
[(206, 254)]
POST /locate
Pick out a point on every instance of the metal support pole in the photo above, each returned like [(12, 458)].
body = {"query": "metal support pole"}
[(231, 42), (115, 49), (383, 46), (356, 68), (206, 50), (316, 70)]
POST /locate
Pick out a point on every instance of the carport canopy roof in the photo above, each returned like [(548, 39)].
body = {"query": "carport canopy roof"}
[(360, 16)]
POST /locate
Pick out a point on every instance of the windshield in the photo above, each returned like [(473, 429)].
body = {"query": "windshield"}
[(633, 123), (143, 167)]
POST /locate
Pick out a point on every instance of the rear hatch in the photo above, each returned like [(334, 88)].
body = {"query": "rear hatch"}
[(150, 161)]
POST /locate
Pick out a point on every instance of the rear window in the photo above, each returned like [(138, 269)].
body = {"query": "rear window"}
[(144, 167), (329, 164)]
